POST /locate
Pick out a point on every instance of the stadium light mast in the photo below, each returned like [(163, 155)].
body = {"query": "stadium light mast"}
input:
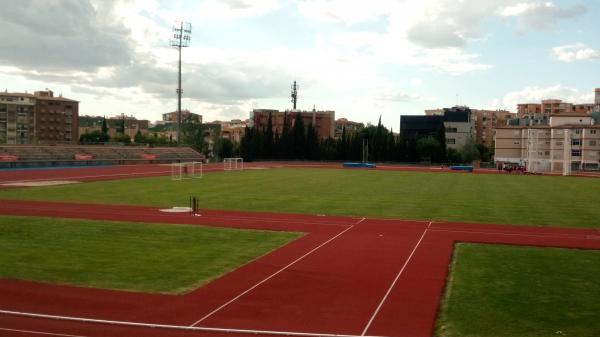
[(295, 94), (182, 34)]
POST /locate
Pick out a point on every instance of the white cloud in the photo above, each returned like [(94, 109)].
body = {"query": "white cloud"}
[(130, 54), (344, 11), (395, 96), (537, 94), (416, 82), (540, 15), (575, 52), (232, 9)]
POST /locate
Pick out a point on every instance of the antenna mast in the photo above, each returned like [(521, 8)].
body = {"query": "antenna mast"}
[(182, 34), (295, 88)]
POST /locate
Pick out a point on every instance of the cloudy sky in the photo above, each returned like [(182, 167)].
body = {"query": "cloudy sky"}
[(360, 58)]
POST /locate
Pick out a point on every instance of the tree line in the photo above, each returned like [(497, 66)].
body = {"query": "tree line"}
[(298, 141)]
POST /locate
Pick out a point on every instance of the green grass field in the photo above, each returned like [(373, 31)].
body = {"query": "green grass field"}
[(502, 199), (507, 291), (498, 291), (130, 256)]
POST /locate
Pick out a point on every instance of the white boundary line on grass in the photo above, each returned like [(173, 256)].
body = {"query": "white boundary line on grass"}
[(101, 176), (269, 277), (540, 235), (172, 327), (40, 333), (395, 280)]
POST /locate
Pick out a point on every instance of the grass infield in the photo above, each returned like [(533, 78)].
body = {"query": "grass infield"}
[(510, 291), (128, 256), (480, 198)]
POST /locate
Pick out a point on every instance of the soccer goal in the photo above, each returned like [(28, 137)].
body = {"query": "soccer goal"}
[(186, 170), (231, 164)]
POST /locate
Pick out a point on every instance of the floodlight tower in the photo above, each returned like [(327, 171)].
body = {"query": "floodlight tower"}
[(295, 88), (182, 34)]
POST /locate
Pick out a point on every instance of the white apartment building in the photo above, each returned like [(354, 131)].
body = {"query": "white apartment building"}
[(570, 142)]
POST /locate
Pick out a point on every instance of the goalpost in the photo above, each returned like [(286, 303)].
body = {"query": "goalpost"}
[(232, 164), (537, 159), (186, 170)]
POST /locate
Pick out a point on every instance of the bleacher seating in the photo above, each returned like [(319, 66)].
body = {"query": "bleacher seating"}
[(44, 155)]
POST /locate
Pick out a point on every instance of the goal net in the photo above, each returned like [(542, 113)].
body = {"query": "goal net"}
[(231, 164), (538, 154), (186, 170)]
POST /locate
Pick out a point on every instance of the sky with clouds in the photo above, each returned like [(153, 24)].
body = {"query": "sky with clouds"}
[(362, 59)]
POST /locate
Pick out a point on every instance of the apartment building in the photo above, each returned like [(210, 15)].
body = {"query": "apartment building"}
[(482, 124), (17, 118), (38, 118), (415, 127), (457, 123), (233, 130), (344, 124), (569, 142), (322, 121), (88, 124), (458, 126), (171, 117), (485, 123), (540, 113)]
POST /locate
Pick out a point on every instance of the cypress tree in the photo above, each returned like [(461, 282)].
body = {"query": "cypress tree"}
[(104, 126), (286, 151), (299, 138), (268, 139)]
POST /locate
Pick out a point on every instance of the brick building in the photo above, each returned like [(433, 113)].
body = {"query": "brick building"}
[(171, 117), (233, 130), (38, 118), (349, 126), (485, 123), (540, 113), (322, 121), (88, 124)]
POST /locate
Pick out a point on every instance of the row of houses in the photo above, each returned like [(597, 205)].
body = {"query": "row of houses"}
[(550, 136)]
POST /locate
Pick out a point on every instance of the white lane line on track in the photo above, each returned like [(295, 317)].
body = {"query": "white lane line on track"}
[(172, 327), (361, 220), (270, 277), (30, 332), (540, 235), (394, 282)]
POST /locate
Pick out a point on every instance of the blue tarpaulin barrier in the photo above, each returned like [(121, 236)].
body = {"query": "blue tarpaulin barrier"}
[(360, 165), (462, 168)]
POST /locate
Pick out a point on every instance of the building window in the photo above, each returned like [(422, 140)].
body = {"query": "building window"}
[(451, 130), (592, 143), (547, 153), (450, 141), (516, 142), (576, 153), (576, 142), (592, 132), (578, 131)]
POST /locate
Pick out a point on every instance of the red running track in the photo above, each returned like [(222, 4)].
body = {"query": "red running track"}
[(346, 276)]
